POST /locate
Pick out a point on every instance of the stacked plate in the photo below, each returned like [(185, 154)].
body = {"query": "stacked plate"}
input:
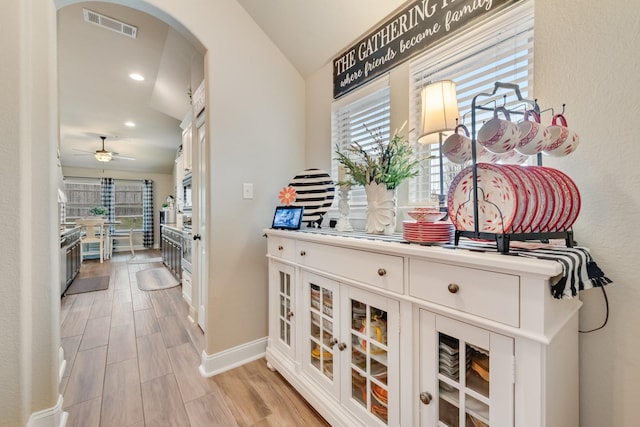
[(448, 360), (427, 232), (514, 199)]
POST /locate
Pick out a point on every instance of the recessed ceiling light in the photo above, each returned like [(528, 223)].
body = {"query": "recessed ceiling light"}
[(136, 76), (130, 124)]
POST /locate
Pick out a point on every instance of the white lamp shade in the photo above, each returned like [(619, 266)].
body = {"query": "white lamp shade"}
[(439, 110)]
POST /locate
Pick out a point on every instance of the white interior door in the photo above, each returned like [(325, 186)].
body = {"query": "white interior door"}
[(200, 218)]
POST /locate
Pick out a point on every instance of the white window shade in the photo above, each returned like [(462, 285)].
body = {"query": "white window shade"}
[(500, 49), (358, 117)]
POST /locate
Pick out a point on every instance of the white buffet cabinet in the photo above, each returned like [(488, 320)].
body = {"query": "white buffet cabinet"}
[(376, 333)]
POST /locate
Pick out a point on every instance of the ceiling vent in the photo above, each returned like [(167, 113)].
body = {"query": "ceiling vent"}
[(109, 23)]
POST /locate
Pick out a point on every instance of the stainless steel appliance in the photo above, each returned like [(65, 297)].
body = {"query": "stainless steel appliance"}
[(186, 221), (186, 193), (63, 264), (69, 257)]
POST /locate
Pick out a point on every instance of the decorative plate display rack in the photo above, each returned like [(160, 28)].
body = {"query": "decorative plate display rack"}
[(502, 237)]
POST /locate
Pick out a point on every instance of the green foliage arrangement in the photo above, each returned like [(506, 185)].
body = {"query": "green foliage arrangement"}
[(99, 211), (387, 163)]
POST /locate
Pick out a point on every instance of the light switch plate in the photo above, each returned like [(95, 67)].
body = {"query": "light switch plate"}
[(247, 191)]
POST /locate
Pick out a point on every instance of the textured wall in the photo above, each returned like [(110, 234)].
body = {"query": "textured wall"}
[(586, 56)]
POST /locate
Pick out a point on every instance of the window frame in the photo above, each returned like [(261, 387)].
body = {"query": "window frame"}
[(445, 61), (125, 225), (375, 95)]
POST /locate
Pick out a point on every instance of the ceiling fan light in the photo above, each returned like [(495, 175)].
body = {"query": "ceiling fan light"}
[(103, 156)]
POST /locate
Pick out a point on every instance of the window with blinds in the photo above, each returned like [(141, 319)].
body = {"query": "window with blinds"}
[(86, 193), (128, 204), (82, 195), (500, 49), (358, 117)]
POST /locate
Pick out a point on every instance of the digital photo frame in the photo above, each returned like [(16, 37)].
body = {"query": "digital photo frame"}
[(287, 217)]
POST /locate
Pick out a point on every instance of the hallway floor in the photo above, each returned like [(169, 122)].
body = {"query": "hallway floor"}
[(133, 357)]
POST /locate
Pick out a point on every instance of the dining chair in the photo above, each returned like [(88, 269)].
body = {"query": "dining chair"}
[(94, 232), (123, 235)]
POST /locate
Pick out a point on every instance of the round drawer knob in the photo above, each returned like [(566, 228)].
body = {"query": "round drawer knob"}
[(453, 288), (382, 272), (302, 253), (342, 346), (425, 397), (280, 248)]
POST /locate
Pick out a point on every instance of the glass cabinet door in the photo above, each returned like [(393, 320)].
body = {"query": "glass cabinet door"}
[(463, 376), (371, 374), (369, 360), (472, 374), (285, 312), (282, 307), (321, 316)]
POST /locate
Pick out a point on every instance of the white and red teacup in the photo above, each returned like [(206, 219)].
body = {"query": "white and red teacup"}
[(534, 137), (499, 135), (457, 147), (562, 140)]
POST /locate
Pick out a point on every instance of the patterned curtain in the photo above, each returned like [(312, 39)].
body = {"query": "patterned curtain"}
[(108, 199), (147, 213)]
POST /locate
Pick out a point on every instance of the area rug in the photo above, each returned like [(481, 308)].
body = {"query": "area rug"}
[(88, 284), (144, 260), (153, 279)]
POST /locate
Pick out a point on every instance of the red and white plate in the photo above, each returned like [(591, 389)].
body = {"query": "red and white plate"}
[(514, 199), (428, 232), (497, 199)]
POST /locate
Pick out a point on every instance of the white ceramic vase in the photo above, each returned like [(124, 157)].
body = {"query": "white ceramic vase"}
[(381, 209)]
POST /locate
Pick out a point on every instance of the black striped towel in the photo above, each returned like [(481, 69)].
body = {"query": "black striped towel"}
[(579, 270)]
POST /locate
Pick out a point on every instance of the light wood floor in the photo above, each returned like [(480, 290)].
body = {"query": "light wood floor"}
[(133, 356)]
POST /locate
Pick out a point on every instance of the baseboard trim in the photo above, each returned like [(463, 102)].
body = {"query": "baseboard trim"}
[(214, 364), (51, 417)]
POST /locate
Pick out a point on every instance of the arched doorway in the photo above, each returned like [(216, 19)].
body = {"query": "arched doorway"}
[(102, 60)]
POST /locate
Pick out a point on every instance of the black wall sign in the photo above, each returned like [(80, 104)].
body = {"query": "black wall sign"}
[(418, 25)]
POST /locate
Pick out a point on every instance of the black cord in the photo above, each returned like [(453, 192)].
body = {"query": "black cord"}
[(606, 319)]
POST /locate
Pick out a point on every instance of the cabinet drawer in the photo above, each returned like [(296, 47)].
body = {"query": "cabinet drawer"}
[(491, 295), (281, 247), (380, 270)]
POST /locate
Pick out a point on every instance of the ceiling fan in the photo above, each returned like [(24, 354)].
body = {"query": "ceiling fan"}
[(103, 155)]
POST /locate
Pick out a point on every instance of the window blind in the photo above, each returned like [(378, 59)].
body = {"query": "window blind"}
[(500, 49), (82, 195), (128, 204), (359, 117)]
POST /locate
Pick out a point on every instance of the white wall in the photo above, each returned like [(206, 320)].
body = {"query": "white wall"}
[(29, 301), (256, 128), (163, 185), (585, 56)]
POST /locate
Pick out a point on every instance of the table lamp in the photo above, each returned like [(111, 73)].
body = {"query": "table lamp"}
[(439, 115)]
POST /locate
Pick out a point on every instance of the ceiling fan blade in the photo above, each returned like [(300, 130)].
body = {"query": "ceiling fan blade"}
[(83, 154), (116, 156), (83, 151)]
